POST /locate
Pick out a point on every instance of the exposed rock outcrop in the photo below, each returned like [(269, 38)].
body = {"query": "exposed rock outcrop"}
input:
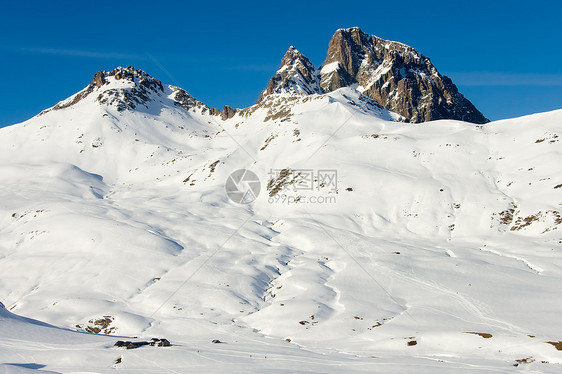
[(127, 96), (138, 93), (185, 100), (99, 79), (227, 112)]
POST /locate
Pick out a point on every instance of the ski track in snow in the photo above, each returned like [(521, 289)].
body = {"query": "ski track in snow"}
[(534, 268)]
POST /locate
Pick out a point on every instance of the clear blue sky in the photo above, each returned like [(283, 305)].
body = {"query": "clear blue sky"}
[(505, 56)]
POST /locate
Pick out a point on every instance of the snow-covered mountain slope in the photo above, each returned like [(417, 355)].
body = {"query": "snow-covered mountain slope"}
[(373, 246)]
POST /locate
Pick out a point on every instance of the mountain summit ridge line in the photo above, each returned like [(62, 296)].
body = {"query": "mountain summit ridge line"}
[(395, 75)]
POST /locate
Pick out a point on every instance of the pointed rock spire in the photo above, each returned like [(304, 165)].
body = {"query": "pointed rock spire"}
[(296, 75)]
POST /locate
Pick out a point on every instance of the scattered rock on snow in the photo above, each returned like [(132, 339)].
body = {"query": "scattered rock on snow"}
[(155, 342)]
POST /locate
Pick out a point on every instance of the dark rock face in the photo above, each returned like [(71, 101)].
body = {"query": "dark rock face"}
[(215, 111), (295, 75), (99, 79), (227, 112), (395, 75), (346, 51)]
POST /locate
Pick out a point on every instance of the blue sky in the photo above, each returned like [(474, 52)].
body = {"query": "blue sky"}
[(505, 56)]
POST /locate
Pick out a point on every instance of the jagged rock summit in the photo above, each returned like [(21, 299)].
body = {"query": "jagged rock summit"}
[(395, 75), (297, 75), (125, 88)]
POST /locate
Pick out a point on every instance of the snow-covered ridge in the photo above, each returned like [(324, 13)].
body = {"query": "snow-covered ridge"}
[(134, 89)]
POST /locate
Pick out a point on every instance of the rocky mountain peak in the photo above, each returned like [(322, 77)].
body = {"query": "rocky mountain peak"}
[(296, 75), (124, 88), (127, 87), (395, 75), (293, 57), (125, 77)]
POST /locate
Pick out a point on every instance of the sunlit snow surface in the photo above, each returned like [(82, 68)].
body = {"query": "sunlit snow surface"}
[(394, 272)]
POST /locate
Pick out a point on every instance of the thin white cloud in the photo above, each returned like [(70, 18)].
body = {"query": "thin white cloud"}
[(485, 78), (80, 53), (264, 67)]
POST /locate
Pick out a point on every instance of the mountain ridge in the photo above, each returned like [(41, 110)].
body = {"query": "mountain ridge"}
[(395, 75)]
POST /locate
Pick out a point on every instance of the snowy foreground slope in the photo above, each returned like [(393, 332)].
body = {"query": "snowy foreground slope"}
[(438, 251)]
